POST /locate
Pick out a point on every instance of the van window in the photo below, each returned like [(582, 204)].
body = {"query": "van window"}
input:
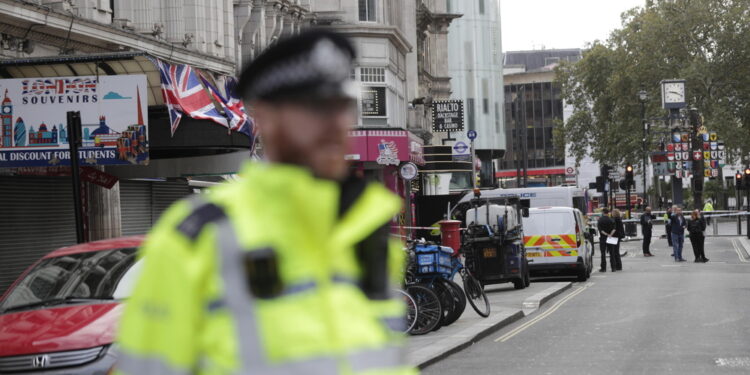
[(579, 203), (545, 222)]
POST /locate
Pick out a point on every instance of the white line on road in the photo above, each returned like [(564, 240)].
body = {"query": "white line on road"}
[(543, 315), (739, 253)]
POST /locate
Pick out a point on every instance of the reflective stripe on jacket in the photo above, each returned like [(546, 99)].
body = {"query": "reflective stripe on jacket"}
[(263, 277)]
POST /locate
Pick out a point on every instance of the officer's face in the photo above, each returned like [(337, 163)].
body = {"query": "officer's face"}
[(311, 134)]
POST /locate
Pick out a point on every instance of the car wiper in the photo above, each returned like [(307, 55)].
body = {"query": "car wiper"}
[(54, 301)]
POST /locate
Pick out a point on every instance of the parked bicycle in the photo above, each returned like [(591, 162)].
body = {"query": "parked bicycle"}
[(436, 267)]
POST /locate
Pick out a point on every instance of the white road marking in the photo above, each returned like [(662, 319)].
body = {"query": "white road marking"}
[(541, 316), (736, 362), (739, 253)]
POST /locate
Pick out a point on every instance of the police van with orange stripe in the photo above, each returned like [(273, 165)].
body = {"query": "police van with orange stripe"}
[(557, 242)]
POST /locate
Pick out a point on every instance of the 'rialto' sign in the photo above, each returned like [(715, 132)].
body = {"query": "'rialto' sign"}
[(447, 116)]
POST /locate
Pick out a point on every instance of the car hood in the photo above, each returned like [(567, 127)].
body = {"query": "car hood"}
[(59, 328)]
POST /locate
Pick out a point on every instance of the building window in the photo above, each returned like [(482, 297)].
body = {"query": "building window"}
[(372, 74), (367, 10), (485, 94), (448, 6), (497, 117), (481, 6), (470, 113)]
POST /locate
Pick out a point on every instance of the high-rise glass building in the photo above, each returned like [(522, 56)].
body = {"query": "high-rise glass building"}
[(476, 69)]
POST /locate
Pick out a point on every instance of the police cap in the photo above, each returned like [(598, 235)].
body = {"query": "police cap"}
[(314, 64)]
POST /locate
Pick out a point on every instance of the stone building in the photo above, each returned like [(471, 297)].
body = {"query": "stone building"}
[(63, 38), (402, 67)]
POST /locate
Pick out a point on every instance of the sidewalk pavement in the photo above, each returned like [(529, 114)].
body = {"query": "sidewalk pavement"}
[(507, 305)]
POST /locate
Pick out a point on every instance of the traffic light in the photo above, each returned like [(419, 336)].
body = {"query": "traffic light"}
[(600, 184), (624, 184), (738, 181), (746, 179), (629, 175)]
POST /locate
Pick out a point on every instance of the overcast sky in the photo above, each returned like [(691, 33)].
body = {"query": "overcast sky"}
[(537, 24)]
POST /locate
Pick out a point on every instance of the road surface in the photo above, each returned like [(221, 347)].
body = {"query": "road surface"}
[(655, 317)]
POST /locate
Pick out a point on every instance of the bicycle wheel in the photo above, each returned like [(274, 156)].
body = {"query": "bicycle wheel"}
[(429, 310), (446, 301), (411, 311), (475, 294), (458, 299)]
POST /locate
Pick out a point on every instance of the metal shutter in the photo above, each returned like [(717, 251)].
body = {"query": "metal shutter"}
[(36, 217), (143, 202), (135, 207), (166, 193)]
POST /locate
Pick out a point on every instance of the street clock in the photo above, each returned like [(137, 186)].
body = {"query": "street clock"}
[(673, 94)]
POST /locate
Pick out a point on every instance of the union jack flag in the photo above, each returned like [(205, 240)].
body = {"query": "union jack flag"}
[(234, 103), (184, 94), (234, 110)]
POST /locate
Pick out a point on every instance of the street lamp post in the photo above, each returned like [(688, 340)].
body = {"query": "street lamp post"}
[(643, 97)]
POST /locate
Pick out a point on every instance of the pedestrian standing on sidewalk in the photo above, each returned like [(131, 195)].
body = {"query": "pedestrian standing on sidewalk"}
[(667, 228), (606, 227), (696, 226), (646, 227), (677, 224), (620, 234)]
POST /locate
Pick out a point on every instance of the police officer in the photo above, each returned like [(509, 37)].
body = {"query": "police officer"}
[(289, 269), (606, 227), (646, 226)]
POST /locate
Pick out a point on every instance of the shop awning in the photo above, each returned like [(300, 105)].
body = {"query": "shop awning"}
[(115, 63)]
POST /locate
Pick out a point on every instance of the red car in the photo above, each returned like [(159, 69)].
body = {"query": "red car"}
[(60, 316)]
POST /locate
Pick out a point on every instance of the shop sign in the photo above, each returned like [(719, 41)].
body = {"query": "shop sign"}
[(447, 116), (33, 120), (373, 101), (385, 147), (387, 153)]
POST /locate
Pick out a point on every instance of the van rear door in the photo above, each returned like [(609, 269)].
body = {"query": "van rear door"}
[(551, 236)]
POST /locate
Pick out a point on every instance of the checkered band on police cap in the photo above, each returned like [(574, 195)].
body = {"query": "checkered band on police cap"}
[(315, 63)]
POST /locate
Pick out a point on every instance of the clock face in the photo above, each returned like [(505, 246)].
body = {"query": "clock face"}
[(674, 92), (6, 109)]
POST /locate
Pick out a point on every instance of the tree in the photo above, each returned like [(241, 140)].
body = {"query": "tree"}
[(706, 42)]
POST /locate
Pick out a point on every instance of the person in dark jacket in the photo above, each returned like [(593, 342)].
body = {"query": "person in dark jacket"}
[(620, 234), (646, 227), (667, 228), (677, 224), (695, 226), (606, 227)]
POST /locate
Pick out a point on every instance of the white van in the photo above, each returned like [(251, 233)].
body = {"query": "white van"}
[(556, 241), (558, 196)]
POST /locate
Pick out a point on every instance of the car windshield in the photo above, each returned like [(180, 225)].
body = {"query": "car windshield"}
[(98, 275)]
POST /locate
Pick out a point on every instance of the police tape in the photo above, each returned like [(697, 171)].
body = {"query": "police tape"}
[(421, 228), (705, 215)]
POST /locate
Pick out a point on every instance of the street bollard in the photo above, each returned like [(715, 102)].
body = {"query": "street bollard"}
[(739, 224), (450, 234), (715, 223)]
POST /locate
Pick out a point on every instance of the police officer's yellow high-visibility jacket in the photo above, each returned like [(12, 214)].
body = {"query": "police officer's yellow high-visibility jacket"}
[(266, 275)]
